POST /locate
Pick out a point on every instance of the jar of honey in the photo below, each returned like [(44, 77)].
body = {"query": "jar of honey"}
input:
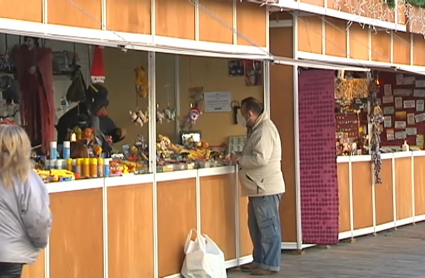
[(93, 167), (85, 168)]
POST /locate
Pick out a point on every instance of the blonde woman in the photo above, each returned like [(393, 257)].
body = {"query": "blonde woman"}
[(25, 218)]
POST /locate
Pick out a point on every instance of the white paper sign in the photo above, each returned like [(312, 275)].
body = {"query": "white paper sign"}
[(400, 135), (387, 99), (410, 118), (411, 131), (388, 90), (399, 125), (419, 93), (403, 92), (409, 104), (409, 80), (389, 110), (218, 101), (420, 118), (398, 102), (420, 105), (399, 79), (387, 121), (420, 83)]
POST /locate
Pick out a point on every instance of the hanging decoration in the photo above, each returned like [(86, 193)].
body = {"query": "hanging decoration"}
[(169, 113), (139, 118), (384, 10), (98, 69), (160, 115), (141, 82), (376, 119)]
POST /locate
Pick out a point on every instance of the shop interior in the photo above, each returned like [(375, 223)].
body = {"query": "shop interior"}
[(197, 99), (395, 100)]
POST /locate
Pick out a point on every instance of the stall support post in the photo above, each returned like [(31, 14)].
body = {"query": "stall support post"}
[(266, 89), (177, 94), (297, 137), (152, 152)]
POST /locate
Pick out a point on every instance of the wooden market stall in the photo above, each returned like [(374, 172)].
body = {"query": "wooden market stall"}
[(136, 225), (365, 208)]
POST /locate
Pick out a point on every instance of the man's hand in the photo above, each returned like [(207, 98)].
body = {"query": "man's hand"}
[(234, 158)]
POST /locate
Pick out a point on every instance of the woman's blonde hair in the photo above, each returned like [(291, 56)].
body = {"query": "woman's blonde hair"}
[(15, 155)]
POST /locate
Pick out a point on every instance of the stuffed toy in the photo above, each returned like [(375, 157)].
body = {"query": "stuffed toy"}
[(138, 118), (191, 118), (141, 82)]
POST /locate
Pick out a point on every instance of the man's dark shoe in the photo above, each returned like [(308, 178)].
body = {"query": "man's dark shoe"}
[(262, 272), (247, 267)]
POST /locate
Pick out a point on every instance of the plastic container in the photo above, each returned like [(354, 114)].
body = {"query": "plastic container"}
[(74, 165), (53, 150), (66, 150), (47, 164), (69, 165), (106, 168), (85, 168), (93, 167), (100, 167), (405, 147), (78, 166)]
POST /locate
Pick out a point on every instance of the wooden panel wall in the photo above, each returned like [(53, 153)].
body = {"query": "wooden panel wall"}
[(85, 14), (401, 43), (344, 197), (251, 22), (76, 250), (130, 231), (384, 194), (362, 195), (217, 203), (132, 16), (282, 114), (403, 186), (336, 37), (381, 46), (175, 219), (359, 42), (221, 34), (175, 19), (28, 10), (310, 34), (418, 50)]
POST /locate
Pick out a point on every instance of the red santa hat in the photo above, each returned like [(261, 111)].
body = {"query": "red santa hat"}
[(97, 69)]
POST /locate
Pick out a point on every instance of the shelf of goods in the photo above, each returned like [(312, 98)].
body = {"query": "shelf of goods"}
[(106, 225), (367, 208)]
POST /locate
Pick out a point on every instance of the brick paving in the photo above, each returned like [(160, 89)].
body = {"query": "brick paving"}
[(392, 254)]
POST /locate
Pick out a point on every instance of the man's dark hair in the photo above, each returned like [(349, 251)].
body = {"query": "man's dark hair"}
[(253, 105)]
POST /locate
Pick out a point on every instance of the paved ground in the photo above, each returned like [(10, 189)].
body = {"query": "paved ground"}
[(392, 254)]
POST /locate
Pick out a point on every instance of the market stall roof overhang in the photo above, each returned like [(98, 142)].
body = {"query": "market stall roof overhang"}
[(306, 56), (131, 41), (315, 64)]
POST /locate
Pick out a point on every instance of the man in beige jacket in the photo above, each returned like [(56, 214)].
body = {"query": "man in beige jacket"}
[(262, 181)]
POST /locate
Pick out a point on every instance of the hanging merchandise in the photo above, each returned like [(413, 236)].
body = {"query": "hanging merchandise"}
[(191, 118), (139, 118), (97, 70), (141, 82), (169, 113), (76, 91), (376, 119), (160, 115)]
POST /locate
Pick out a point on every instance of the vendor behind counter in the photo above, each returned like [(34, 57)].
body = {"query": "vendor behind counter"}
[(91, 114)]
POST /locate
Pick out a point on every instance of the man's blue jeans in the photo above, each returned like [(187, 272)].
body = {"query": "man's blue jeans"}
[(264, 228)]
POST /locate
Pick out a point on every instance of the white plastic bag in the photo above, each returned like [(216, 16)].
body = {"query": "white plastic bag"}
[(204, 259)]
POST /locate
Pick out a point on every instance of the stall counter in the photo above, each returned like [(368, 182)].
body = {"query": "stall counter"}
[(106, 227), (368, 208)]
